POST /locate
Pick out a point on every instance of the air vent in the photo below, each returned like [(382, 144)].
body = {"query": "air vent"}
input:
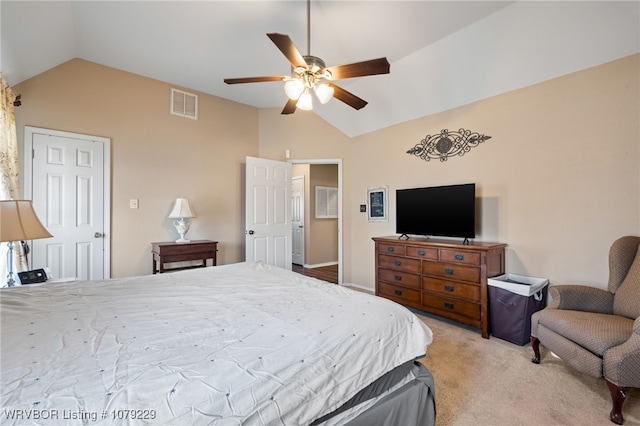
[(184, 104)]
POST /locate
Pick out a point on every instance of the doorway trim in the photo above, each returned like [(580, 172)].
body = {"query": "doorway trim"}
[(27, 186), (338, 162)]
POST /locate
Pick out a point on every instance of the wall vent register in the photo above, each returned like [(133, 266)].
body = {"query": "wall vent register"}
[(184, 104)]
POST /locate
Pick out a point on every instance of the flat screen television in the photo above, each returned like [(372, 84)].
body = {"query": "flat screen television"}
[(444, 211)]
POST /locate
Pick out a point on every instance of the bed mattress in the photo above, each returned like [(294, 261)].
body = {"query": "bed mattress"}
[(226, 345)]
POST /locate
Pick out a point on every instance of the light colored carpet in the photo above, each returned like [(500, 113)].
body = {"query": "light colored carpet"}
[(493, 382)]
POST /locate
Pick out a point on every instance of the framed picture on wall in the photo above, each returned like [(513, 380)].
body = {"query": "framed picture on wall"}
[(377, 204)]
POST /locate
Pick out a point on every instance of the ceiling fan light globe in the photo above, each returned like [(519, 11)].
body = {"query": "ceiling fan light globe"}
[(305, 102), (293, 88), (324, 92)]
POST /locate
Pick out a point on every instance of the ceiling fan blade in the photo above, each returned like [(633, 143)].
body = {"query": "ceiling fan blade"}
[(290, 107), (286, 46), (347, 97), (359, 69), (253, 79)]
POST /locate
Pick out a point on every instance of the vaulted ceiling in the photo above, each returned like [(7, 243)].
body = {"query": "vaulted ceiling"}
[(442, 53)]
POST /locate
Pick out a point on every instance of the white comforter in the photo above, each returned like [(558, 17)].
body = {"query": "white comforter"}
[(225, 345)]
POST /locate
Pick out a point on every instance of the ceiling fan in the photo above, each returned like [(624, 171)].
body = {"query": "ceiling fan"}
[(309, 74)]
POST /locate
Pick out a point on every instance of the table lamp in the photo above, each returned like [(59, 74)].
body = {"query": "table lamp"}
[(181, 211), (18, 222)]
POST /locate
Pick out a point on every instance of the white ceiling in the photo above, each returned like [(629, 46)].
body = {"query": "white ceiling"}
[(442, 53)]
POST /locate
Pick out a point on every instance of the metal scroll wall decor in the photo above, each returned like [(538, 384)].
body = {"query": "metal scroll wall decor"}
[(447, 144)]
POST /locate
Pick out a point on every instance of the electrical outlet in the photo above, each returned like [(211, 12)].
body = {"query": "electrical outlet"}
[(133, 203)]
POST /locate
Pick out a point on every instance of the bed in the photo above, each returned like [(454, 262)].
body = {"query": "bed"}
[(236, 344)]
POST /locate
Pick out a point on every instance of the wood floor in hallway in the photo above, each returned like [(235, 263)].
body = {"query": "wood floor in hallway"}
[(326, 273)]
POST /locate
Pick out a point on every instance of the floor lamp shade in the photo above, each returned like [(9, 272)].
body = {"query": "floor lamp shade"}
[(19, 222)]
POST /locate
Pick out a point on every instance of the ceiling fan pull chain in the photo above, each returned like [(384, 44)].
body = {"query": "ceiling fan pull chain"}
[(308, 27)]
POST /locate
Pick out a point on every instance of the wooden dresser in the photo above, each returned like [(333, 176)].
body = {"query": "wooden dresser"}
[(439, 276)]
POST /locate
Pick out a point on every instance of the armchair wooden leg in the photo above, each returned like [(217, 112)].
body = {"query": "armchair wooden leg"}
[(618, 394), (535, 345)]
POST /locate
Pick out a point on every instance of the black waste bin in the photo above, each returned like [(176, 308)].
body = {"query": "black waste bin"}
[(512, 301)]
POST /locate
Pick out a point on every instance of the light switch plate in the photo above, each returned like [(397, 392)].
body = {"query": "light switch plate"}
[(133, 203)]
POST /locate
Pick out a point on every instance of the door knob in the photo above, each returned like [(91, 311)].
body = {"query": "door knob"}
[(98, 235), (251, 232)]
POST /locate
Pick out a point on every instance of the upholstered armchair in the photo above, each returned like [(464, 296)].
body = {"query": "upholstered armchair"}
[(597, 331)]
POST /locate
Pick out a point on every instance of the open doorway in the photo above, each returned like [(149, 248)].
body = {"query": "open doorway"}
[(321, 220)]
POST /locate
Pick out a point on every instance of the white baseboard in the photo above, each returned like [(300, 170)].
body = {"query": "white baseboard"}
[(359, 287), (320, 265)]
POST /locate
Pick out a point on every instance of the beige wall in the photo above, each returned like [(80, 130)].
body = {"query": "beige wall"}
[(558, 181), (322, 246), (156, 156)]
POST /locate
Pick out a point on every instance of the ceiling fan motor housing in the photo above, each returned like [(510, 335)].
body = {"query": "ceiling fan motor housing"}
[(315, 70), (314, 63)]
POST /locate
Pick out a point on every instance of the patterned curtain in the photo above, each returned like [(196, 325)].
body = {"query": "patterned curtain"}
[(9, 170)]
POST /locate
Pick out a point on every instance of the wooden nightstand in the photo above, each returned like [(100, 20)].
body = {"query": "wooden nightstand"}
[(168, 252)]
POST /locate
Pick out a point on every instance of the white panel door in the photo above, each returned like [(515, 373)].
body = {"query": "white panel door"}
[(268, 210), (297, 220), (68, 187)]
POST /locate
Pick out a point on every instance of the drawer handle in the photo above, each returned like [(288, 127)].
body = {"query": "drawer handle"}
[(448, 305), (459, 256), (449, 288), (448, 271), (421, 252), (398, 277), (390, 249), (397, 263), (398, 292)]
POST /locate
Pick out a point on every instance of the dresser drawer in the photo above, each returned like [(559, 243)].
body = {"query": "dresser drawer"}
[(444, 305), (397, 249), (422, 252), (399, 263), (470, 292), (461, 256), (169, 249), (399, 294), (452, 272), (400, 278)]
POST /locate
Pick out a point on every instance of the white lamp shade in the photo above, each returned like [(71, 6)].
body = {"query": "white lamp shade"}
[(324, 92), (305, 102), (19, 222), (293, 88), (181, 209)]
